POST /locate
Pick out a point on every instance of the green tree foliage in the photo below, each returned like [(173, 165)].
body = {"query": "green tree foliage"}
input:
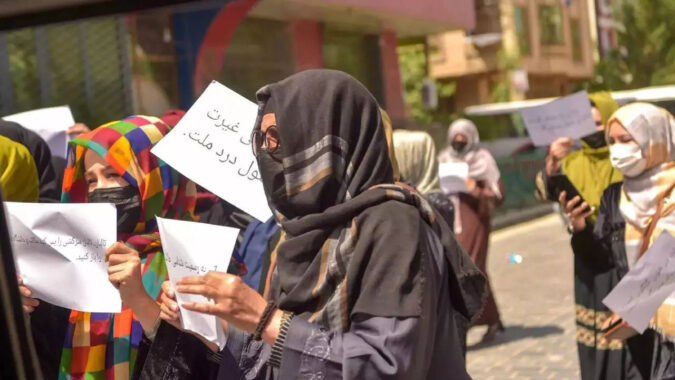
[(413, 65), (646, 52)]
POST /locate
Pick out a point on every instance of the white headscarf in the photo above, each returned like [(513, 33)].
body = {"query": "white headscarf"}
[(482, 166), (653, 128)]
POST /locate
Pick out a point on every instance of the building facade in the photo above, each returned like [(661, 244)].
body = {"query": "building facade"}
[(519, 49), (147, 62)]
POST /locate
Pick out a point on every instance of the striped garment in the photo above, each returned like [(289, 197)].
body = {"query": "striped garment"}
[(653, 128), (102, 345)]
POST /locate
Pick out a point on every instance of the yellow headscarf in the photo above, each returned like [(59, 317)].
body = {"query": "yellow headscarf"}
[(589, 169), (19, 180)]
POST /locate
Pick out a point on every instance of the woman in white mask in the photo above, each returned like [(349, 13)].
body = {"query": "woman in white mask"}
[(632, 216)]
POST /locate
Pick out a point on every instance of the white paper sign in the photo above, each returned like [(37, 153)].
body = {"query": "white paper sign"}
[(453, 177), (50, 123), (211, 145), (60, 252), (638, 295), (569, 116), (194, 249)]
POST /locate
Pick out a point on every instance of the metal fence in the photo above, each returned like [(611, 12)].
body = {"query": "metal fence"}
[(84, 64), (518, 175)]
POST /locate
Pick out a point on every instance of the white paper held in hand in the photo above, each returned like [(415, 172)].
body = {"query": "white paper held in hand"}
[(50, 123), (638, 295), (569, 116), (194, 249), (453, 177), (211, 145), (60, 252)]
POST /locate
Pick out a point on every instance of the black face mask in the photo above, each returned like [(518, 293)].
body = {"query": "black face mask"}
[(272, 175), (595, 140), (459, 146), (126, 199)]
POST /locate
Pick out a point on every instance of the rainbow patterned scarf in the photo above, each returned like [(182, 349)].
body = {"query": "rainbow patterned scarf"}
[(103, 345)]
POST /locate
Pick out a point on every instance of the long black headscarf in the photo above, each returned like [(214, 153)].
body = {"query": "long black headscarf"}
[(351, 239)]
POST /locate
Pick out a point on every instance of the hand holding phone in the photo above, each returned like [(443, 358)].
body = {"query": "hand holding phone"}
[(615, 328)]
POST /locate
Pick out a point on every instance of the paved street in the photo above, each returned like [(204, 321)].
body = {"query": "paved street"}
[(535, 299)]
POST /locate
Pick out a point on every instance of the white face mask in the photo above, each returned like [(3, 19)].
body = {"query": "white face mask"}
[(627, 158)]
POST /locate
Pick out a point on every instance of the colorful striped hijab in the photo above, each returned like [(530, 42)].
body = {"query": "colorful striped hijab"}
[(102, 345), (653, 128)]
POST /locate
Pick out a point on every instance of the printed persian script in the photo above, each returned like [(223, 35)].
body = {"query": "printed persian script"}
[(60, 252)]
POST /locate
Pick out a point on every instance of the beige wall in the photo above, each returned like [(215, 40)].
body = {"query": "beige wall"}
[(557, 60), (552, 70), (451, 54)]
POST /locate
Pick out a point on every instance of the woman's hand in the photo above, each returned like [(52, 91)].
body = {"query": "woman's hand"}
[(29, 304), (472, 187), (78, 129), (124, 272), (559, 149), (576, 213), (170, 313), (168, 307), (234, 301)]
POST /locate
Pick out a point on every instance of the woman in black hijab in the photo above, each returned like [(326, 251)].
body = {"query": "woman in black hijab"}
[(360, 285)]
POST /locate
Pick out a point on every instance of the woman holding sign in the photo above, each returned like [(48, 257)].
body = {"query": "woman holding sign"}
[(484, 193), (630, 218), (113, 164), (360, 286), (590, 172)]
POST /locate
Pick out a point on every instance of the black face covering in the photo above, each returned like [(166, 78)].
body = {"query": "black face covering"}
[(595, 140), (272, 175), (126, 199), (459, 146)]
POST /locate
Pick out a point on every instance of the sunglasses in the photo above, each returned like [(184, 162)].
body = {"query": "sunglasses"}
[(268, 140)]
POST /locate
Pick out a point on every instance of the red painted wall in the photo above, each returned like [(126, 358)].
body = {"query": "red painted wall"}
[(391, 76), (307, 44), (458, 13)]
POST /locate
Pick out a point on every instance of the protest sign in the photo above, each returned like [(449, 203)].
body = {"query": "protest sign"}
[(569, 116), (194, 249), (50, 123), (211, 145), (638, 295), (453, 176), (60, 253)]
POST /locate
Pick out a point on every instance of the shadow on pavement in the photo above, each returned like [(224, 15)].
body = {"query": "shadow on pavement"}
[(517, 332)]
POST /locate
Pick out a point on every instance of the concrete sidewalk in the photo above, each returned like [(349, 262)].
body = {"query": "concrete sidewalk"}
[(536, 301)]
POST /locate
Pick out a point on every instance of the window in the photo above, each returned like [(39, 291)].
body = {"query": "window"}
[(355, 53), (79, 63), (522, 29), (577, 54), (550, 25), (260, 52)]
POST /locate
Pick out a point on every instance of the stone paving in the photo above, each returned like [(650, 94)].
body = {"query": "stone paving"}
[(535, 300)]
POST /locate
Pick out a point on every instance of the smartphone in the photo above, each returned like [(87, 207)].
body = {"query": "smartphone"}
[(560, 183), (612, 325)]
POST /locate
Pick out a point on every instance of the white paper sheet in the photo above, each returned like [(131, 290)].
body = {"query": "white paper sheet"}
[(60, 252), (194, 249), (50, 123), (569, 116), (638, 295), (211, 145), (453, 177)]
